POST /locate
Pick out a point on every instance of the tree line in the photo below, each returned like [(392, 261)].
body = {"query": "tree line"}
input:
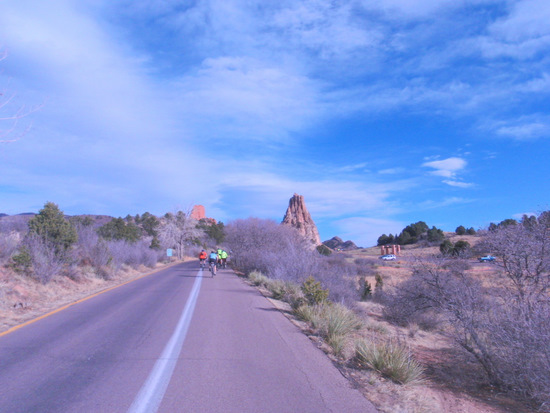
[(53, 244), (420, 232)]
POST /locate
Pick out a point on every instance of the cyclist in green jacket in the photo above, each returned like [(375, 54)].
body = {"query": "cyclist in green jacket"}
[(223, 257), (219, 257)]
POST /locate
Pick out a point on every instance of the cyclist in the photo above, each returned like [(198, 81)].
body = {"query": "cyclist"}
[(219, 257), (223, 257), (212, 261), (202, 258)]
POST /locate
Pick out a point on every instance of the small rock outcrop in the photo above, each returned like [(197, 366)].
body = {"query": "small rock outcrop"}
[(297, 216), (198, 212), (337, 243)]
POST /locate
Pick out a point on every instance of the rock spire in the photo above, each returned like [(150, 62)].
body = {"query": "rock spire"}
[(297, 216), (198, 212)]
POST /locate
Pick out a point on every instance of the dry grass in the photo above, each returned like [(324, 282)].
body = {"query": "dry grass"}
[(23, 298), (452, 383)]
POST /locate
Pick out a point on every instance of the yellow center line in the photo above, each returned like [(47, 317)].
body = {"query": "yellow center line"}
[(34, 320)]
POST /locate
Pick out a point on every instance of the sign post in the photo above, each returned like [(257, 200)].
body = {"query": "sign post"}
[(169, 253)]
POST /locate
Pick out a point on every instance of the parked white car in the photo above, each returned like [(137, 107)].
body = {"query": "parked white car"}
[(388, 257)]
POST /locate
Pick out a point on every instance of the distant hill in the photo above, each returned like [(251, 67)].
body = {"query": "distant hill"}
[(19, 221), (337, 243)]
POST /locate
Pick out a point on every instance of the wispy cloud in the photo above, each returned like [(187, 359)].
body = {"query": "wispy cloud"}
[(448, 201), (447, 168), (247, 99), (391, 171), (357, 167), (519, 128), (520, 34), (458, 184)]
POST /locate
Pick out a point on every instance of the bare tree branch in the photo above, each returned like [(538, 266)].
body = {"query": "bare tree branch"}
[(10, 117)]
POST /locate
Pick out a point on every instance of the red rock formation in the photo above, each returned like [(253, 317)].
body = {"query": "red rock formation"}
[(198, 212), (298, 217)]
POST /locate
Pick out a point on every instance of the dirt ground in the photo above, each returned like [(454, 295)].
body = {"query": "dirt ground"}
[(454, 380)]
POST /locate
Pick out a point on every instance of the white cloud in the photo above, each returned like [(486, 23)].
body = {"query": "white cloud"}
[(521, 34), (391, 171), (430, 204), (458, 184), (410, 9), (247, 98), (528, 127), (350, 168), (331, 29), (446, 168), (525, 131)]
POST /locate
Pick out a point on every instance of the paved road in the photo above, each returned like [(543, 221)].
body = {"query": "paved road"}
[(174, 341)]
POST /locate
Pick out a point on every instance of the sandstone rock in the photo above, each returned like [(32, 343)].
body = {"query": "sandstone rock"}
[(298, 217), (198, 212)]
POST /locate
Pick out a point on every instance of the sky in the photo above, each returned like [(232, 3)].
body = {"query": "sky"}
[(381, 113)]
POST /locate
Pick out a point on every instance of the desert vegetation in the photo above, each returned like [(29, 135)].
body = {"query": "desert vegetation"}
[(322, 291), (47, 259), (51, 244), (503, 322), (500, 321)]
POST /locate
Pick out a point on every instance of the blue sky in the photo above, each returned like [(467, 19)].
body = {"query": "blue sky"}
[(381, 113)]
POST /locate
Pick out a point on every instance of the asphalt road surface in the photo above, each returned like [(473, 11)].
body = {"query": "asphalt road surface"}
[(174, 341)]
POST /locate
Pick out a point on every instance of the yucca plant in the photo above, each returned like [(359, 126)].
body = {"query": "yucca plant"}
[(277, 288), (391, 359), (257, 278), (340, 320)]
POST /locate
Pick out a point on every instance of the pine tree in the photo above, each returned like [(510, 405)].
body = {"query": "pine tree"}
[(52, 227)]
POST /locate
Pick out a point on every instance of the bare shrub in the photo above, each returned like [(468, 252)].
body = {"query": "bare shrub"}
[(45, 261), (273, 249), (280, 252), (338, 275), (14, 223), (457, 297), (504, 327), (179, 231), (132, 254), (91, 248), (9, 243)]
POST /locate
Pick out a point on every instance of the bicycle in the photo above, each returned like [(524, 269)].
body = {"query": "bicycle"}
[(202, 264), (213, 268)]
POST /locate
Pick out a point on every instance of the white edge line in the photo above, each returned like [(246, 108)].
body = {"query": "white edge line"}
[(150, 396)]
